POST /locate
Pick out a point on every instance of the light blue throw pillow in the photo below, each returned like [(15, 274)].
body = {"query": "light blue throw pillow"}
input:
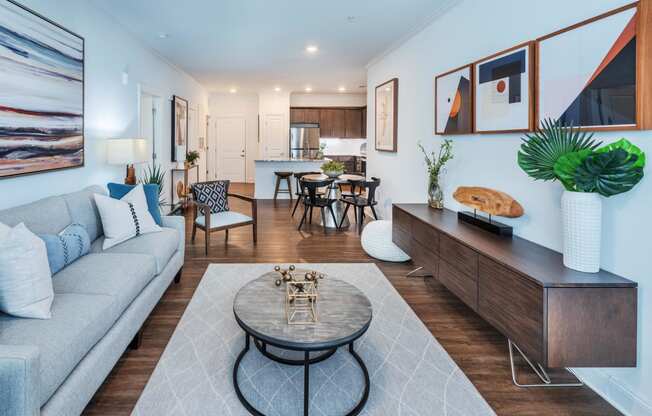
[(67, 246)]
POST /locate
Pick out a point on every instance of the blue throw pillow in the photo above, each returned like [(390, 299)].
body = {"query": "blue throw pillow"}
[(67, 246), (118, 190)]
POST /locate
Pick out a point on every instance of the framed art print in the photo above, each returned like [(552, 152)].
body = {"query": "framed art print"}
[(42, 93), (503, 98), (387, 116), (179, 129), (453, 101), (587, 72)]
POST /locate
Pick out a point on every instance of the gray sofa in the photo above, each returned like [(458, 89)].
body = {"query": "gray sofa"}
[(53, 367)]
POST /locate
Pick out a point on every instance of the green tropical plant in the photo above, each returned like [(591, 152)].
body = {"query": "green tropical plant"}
[(572, 157), (541, 149), (192, 157), (436, 162), (332, 166), (154, 174)]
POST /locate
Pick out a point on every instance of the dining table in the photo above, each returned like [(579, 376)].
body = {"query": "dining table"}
[(333, 192)]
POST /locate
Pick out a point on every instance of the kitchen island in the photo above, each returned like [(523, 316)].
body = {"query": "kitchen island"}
[(266, 179)]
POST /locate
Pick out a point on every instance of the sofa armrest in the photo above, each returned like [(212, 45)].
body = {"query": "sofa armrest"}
[(179, 224), (19, 380)]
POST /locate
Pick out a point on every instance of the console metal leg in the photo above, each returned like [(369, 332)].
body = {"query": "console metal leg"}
[(538, 370), (413, 273)]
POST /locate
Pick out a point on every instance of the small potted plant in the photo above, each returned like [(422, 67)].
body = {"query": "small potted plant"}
[(588, 172), (191, 158), (155, 175), (435, 164), (332, 169)]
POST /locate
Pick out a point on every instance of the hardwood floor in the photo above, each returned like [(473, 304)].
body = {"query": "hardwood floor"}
[(479, 350)]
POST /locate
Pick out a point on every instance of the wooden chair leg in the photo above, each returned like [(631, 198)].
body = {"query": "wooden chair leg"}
[(278, 182), (207, 237), (194, 232), (373, 210), (289, 187), (226, 235), (255, 231)]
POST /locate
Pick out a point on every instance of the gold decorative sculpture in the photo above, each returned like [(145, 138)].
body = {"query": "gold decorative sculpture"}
[(300, 303), (489, 201)]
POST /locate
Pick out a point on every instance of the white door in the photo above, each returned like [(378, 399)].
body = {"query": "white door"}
[(276, 136), (232, 139)]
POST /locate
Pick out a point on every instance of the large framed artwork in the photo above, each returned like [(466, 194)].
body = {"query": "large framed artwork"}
[(387, 116), (41, 93), (179, 129), (503, 97), (453, 101), (587, 72)]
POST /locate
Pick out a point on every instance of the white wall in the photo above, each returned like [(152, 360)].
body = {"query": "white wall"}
[(470, 31), (111, 108), (239, 105), (328, 100)]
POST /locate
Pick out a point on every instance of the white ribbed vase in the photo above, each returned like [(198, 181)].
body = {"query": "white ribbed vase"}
[(582, 223)]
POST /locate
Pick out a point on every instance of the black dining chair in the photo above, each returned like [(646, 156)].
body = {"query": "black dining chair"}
[(312, 199), (300, 190), (367, 198)]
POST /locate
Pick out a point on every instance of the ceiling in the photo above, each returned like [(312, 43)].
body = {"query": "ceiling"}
[(257, 45)]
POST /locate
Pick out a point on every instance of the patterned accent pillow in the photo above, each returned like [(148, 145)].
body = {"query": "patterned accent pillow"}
[(67, 246), (213, 194)]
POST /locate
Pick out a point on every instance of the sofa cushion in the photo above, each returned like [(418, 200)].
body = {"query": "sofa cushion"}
[(161, 246), (83, 210), (224, 219), (122, 276), (78, 322), (46, 216)]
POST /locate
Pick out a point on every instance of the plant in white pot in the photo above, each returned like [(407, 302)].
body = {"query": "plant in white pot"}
[(588, 172)]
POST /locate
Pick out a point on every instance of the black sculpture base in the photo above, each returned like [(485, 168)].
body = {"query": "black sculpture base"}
[(486, 224)]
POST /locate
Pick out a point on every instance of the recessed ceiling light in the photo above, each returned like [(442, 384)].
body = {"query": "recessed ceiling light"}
[(163, 35), (277, 89), (342, 89), (312, 49), (233, 90), (308, 89)]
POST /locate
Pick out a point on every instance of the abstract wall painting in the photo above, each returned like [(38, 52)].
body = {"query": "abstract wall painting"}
[(503, 96), (453, 102), (587, 73), (41, 93), (387, 116), (179, 129)]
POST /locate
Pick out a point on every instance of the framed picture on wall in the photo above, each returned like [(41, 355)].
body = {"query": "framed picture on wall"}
[(587, 72), (387, 116), (179, 129), (42, 99), (454, 101), (503, 98)]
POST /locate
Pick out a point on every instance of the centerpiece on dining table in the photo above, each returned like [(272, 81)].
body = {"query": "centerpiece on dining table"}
[(333, 169)]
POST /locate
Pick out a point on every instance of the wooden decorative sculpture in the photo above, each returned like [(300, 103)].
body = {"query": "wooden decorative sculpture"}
[(491, 202)]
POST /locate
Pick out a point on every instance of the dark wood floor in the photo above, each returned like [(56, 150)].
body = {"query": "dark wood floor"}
[(479, 350)]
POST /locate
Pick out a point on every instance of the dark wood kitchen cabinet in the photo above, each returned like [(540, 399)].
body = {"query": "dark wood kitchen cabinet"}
[(341, 122), (353, 120), (559, 317), (326, 122)]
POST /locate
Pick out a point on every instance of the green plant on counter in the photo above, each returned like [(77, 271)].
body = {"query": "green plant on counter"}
[(154, 174), (572, 157), (332, 166), (192, 157)]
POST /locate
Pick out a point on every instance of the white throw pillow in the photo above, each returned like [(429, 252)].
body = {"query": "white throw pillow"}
[(25, 278), (125, 218)]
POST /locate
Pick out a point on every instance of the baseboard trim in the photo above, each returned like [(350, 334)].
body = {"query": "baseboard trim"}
[(608, 387)]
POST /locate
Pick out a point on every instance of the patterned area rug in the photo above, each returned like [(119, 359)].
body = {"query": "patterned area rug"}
[(411, 374)]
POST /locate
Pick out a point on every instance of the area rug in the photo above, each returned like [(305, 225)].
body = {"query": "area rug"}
[(411, 374)]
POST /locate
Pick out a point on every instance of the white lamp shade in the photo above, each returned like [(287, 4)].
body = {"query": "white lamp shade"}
[(126, 151)]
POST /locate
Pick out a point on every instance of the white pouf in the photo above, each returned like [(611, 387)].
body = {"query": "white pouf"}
[(376, 241)]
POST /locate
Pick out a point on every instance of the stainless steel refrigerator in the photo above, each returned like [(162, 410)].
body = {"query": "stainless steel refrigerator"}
[(304, 141)]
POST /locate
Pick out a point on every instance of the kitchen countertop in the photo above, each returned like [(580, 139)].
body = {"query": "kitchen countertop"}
[(290, 160)]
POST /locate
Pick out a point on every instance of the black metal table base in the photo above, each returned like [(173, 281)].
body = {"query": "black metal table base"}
[(306, 362)]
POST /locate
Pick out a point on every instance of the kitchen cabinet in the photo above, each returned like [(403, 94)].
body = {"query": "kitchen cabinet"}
[(345, 123)]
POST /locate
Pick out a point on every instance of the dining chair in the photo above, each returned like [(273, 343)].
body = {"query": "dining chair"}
[(300, 190), (367, 198), (312, 199)]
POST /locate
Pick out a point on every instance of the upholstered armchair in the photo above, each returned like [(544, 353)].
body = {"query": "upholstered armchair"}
[(211, 212)]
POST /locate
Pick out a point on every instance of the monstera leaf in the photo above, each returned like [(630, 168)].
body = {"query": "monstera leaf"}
[(541, 150), (567, 165), (608, 173), (627, 146)]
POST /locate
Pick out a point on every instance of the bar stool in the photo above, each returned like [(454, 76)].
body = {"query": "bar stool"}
[(279, 177)]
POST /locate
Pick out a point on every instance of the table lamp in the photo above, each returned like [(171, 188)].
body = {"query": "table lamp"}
[(127, 152)]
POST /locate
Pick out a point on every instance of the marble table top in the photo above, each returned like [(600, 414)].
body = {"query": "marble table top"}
[(344, 314)]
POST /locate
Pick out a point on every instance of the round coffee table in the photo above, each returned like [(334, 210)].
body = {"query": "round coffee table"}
[(343, 314)]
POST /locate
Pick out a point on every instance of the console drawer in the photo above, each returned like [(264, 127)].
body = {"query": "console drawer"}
[(459, 256), (463, 286), (426, 235), (513, 305), (425, 258), (401, 220)]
